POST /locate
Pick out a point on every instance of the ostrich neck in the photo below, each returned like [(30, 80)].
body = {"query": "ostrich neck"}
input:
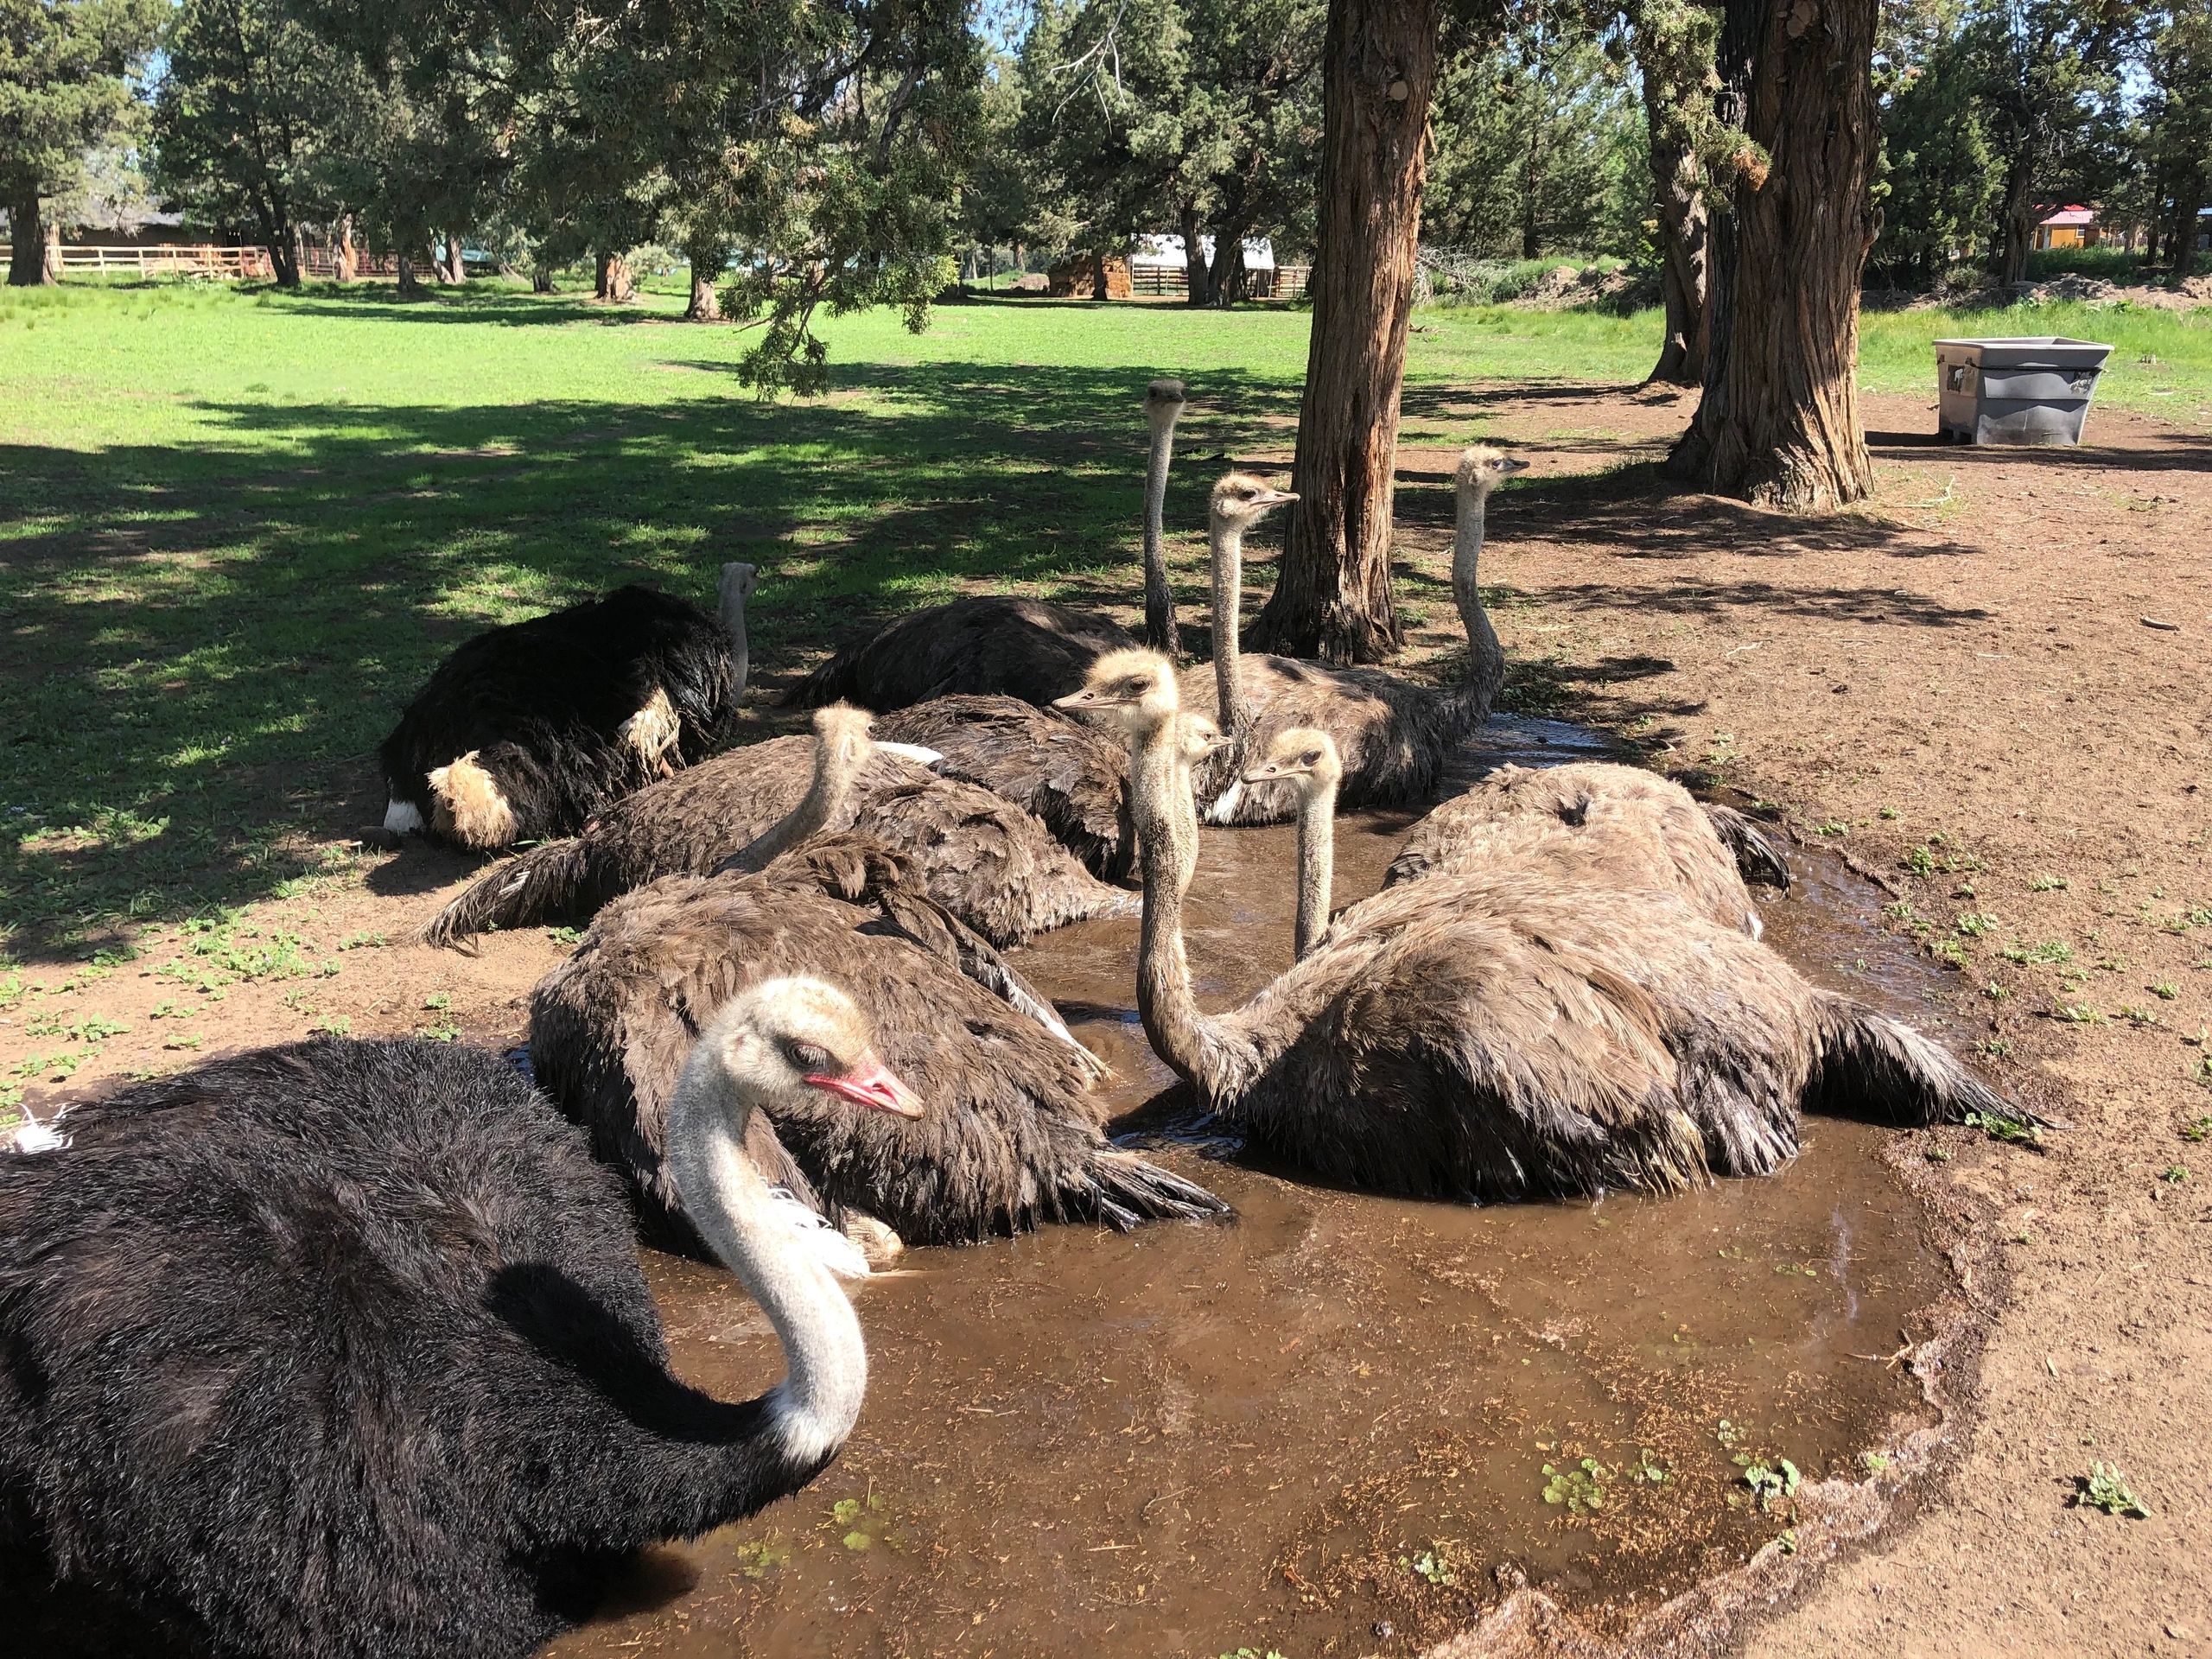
[(1203, 1050), (1485, 657), (813, 1410), (1159, 601), (1317, 864), (1228, 571), (733, 619), (828, 800)]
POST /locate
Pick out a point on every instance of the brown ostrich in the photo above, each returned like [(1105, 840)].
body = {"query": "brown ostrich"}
[(1013, 1135), (992, 865), (1595, 823), (1507, 1034)]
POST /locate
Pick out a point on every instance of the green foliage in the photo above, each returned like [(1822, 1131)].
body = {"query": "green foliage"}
[(1771, 1481), (1537, 133), (2106, 1488), (65, 86), (1579, 1486), (2009, 1130)]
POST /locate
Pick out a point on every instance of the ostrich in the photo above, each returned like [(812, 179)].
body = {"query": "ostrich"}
[(343, 1348), (1506, 1034), (990, 863), (1595, 823), (526, 731), (1071, 777), (1013, 1135), (1163, 407), (1392, 733), (993, 644)]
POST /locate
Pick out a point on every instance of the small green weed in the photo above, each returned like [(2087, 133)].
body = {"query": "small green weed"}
[(2198, 1128), (2047, 884), (437, 999), (565, 935), (1440, 1564), (2165, 990), (2049, 950), (2174, 1174), (1648, 1470), (1772, 1483), (1579, 1486), (1973, 924), (443, 1031), (2105, 1488), (2006, 1129), (2080, 1013)]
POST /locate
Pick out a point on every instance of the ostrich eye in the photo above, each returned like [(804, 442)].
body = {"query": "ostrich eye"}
[(1312, 758), (807, 1057)]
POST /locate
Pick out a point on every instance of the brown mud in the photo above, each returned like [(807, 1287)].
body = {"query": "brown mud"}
[(1322, 1428)]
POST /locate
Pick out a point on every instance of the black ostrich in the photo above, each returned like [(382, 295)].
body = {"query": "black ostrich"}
[(343, 1348), (526, 730)]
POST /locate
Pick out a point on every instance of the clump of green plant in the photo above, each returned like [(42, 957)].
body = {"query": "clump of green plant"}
[(759, 1561), (2080, 1013), (1874, 1462), (1252, 1653), (1439, 1564), (1771, 1482), (1951, 953), (1726, 1432), (1579, 1486), (2010, 1131), (1648, 1470), (2047, 884), (2198, 1128), (1973, 924), (2174, 1174), (2165, 990), (2105, 1488)]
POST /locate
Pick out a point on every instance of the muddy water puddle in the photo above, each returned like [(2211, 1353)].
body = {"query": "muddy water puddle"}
[(1322, 1428)]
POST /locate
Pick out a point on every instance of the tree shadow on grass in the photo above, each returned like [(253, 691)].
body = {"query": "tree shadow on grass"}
[(205, 644)]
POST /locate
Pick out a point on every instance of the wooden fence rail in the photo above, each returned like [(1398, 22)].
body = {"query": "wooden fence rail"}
[(1283, 283), (167, 259)]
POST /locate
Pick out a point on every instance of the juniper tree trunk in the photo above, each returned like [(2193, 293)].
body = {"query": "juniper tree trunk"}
[(411, 285), (1332, 598), (1198, 285), (2188, 202), (345, 261), (456, 268), (1778, 424), (27, 256), (706, 259)]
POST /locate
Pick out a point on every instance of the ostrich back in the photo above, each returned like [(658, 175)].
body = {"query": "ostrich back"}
[(1592, 823), (541, 703), (976, 646), (1072, 778), (1390, 735), (1010, 1134), (316, 1352), (1497, 1035), (991, 864)]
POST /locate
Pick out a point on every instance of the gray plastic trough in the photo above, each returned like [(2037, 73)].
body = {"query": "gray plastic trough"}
[(2033, 391)]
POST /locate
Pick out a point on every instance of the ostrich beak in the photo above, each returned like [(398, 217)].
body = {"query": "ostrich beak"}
[(1274, 498), (1215, 744), (874, 1084), (1515, 464), (1266, 771)]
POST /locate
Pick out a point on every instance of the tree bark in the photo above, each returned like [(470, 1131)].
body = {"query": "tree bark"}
[(540, 277), (2188, 201), (614, 284), (1333, 596), (1671, 69), (411, 285), (2016, 222), (706, 262), (347, 263), (1197, 282), (27, 260), (455, 266), (1778, 424), (1225, 278), (1098, 275)]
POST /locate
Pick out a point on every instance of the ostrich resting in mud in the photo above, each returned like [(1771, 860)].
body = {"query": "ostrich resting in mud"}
[(526, 731), (1013, 1136), (1506, 1033), (987, 861), (342, 1350)]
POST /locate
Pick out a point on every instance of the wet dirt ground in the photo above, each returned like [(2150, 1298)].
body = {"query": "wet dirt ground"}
[(1323, 1427)]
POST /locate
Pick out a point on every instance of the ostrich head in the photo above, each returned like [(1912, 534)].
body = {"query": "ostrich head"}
[(1240, 500), (1163, 400), (738, 581), (800, 1042), (1135, 688), (842, 745), (1307, 757), (1197, 737), (1482, 466)]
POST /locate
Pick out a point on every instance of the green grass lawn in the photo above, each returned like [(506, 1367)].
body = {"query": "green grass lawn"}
[(238, 527)]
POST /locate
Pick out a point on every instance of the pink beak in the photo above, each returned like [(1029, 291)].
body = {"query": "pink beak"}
[(874, 1084)]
